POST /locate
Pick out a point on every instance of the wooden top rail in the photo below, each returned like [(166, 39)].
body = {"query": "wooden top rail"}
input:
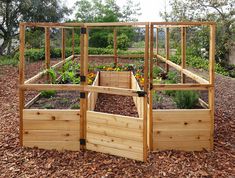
[(182, 24), (185, 71), (160, 87)]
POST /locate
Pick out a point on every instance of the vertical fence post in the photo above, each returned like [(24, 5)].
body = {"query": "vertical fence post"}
[(150, 120), (47, 50), (146, 58), (63, 44), (183, 52), (84, 72), (167, 48), (115, 46), (73, 44), (157, 47), (21, 80), (211, 92)]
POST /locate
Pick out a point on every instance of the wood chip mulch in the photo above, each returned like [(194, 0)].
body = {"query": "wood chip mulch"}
[(116, 104), (31, 162)]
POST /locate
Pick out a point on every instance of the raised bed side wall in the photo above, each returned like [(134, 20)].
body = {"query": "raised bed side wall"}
[(182, 129), (51, 129), (119, 79)]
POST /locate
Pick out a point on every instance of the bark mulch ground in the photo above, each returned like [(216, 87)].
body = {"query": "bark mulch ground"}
[(31, 162), (116, 104)]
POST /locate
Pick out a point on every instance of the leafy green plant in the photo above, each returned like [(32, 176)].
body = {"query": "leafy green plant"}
[(52, 75), (186, 99), (156, 71), (75, 106), (48, 106), (172, 77), (157, 98), (48, 93)]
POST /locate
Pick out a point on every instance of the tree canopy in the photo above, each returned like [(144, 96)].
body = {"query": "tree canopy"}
[(223, 12)]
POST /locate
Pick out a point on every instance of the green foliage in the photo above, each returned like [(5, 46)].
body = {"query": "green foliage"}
[(52, 75), (75, 106), (123, 41), (156, 71), (186, 99), (157, 98), (48, 106), (48, 93), (8, 60)]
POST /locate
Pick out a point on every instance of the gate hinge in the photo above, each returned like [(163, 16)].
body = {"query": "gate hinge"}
[(83, 30), (82, 95), (83, 78), (82, 141), (141, 93)]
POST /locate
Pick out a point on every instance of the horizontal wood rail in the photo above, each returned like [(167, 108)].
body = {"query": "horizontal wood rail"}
[(184, 71), (119, 56), (40, 74), (39, 87), (180, 24), (160, 87), (111, 90)]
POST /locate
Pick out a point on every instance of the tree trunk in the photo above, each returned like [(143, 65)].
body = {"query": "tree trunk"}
[(4, 46)]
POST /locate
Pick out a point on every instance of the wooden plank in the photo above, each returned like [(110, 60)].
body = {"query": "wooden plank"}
[(114, 24), (183, 52), (184, 23), (21, 80), (167, 48), (35, 124), (115, 46), (51, 114), (58, 145), (117, 152), (157, 44), (182, 135), (57, 87), (73, 43), (114, 142), (92, 96), (161, 87), (185, 71), (130, 134), (115, 120), (182, 145), (32, 101), (51, 135)]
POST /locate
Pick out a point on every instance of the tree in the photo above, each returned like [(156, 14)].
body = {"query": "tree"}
[(106, 11), (223, 12), (14, 11)]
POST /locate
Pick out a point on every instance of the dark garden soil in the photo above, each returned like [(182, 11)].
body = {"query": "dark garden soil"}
[(61, 100), (31, 162), (116, 104)]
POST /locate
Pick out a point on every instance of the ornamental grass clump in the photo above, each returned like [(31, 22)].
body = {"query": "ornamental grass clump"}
[(186, 99)]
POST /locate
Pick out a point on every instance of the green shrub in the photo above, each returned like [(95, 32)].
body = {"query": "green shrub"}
[(48, 93), (52, 75), (156, 71), (8, 60), (186, 99)]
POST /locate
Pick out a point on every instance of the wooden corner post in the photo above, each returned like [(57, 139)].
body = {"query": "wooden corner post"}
[(183, 52), (21, 80), (167, 48), (150, 121), (211, 92), (63, 44), (47, 50), (146, 58), (115, 46), (84, 72)]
